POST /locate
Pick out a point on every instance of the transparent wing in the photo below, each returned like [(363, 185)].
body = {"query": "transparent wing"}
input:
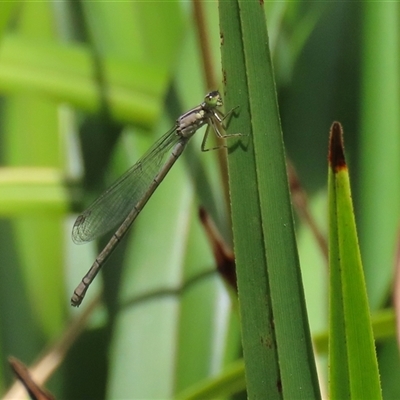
[(113, 206)]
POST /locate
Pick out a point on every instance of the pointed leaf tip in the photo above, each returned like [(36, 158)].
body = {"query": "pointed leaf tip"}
[(336, 148)]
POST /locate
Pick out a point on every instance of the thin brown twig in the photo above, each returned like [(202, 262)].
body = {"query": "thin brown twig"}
[(210, 79), (396, 289), (223, 254), (204, 42), (34, 390)]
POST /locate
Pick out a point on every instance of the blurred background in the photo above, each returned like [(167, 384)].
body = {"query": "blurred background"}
[(86, 88)]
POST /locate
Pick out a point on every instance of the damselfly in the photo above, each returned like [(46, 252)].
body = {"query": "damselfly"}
[(124, 200)]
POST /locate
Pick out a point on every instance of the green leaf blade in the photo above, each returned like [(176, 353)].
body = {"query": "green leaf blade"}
[(269, 280), (353, 363)]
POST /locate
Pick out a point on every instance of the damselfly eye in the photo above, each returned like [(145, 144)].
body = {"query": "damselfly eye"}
[(213, 99)]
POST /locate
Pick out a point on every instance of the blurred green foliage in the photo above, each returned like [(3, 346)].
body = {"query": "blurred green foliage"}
[(85, 88)]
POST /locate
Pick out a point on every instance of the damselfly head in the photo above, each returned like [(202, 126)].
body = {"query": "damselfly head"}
[(213, 99)]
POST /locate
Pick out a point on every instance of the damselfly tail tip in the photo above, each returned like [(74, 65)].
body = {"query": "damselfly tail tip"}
[(76, 300)]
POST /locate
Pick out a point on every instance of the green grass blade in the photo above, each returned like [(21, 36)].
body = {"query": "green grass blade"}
[(383, 326), (353, 362), (246, 217), (276, 340)]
